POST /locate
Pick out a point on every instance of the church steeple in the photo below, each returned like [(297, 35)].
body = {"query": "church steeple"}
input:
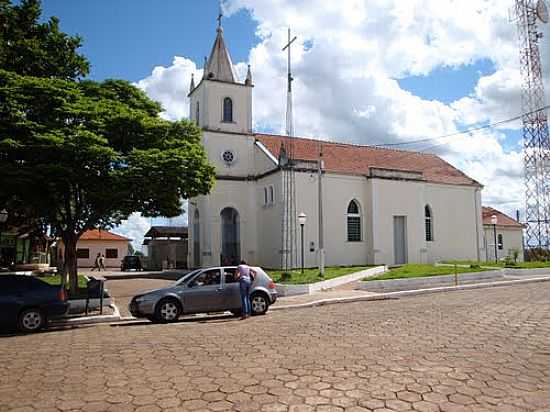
[(219, 66)]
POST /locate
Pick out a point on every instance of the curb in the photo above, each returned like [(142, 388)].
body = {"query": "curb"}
[(404, 293), (89, 320)]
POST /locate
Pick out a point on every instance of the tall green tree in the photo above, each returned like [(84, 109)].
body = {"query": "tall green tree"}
[(80, 155), (29, 47)]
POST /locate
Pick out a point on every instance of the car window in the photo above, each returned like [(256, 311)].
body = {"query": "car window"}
[(230, 275), (185, 277), (207, 278)]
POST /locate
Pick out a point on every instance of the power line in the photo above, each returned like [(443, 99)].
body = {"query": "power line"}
[(467, 131)]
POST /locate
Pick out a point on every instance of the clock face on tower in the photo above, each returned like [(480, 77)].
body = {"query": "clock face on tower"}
[(228, 156)]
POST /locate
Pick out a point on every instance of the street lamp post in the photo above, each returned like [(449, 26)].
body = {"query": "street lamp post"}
[(302, 221), (3, 220), (494, 223)]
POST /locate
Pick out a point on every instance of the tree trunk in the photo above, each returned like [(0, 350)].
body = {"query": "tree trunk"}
[(70, 269)]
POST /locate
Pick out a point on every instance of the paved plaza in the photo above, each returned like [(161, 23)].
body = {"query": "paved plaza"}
[(462, 351)]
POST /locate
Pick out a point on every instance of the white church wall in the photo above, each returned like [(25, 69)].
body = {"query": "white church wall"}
[(215, 93), (455, 214), (269, 218), (397, 198), (239, 195), (338, 191), (242, 147)]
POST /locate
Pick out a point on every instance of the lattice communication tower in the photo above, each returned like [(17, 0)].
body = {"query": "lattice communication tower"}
[(536, 139)]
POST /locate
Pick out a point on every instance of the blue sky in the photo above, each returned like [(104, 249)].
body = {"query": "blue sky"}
[(127, 38)]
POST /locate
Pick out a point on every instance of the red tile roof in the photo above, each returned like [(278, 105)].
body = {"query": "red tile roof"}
[(96, 234), (502, 219), (357, 159)]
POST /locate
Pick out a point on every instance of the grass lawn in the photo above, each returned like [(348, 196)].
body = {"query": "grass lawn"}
[(312, 275), (56, 280), (519, 265), (420, 271)]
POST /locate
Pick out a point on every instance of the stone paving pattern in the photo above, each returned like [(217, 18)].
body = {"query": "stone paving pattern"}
[(483, 350)]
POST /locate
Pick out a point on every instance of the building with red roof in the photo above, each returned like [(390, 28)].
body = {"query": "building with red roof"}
[(502, 235), (379, 205), (94, 242)]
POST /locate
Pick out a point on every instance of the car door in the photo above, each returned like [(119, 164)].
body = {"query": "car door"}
[(12, 291), (203, 293), (231, 289)]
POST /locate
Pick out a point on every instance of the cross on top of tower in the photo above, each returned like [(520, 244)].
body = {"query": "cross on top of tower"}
[(220, 15)]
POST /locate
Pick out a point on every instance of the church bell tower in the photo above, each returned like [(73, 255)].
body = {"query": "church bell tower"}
[(220, 102)]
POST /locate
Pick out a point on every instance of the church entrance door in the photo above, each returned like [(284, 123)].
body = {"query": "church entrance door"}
[(400, 239), (231, 239)]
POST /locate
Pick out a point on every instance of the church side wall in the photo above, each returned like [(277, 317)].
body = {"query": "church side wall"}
[(269, 218), (454, 216), (398, 198), (338, 191)]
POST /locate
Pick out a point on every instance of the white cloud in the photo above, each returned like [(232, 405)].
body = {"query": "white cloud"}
[(346, 60), (134, 228)]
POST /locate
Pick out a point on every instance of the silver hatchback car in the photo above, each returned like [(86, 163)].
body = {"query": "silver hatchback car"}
[(202, 291)]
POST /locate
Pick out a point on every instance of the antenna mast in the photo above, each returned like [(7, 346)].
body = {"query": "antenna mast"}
[(536, 139), (289, 224)]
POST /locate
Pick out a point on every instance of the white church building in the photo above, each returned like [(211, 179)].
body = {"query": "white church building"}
[(380, 206)]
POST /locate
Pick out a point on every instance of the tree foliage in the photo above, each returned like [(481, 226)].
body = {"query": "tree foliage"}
[(80, 155), (37, 49)]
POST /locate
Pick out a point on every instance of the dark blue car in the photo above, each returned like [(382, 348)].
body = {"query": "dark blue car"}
[(28, 303)]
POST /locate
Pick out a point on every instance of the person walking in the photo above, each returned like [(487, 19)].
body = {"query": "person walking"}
[(97, 263), (246, 275), (102, 262)]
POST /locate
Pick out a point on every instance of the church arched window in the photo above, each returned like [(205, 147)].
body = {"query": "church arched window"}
[(197, 113), (354, 222), (227, 109), (428, 223)]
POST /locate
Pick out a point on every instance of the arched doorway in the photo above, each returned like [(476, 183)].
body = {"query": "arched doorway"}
[(196, 240), (231, 239)]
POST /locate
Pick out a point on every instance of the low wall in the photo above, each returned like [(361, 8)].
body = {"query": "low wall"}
[(526, 272), (292, 290), (430, 281)]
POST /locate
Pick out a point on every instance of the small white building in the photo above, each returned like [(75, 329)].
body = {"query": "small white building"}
[(93, 242), (381, 206), (502, 235)]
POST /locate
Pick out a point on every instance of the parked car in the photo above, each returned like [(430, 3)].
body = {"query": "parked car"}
[(131, 262), (204, 291), (28, 302)]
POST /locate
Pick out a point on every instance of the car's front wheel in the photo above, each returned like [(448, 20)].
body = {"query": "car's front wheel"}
[(167, 310), (259, 303), (31, 320)]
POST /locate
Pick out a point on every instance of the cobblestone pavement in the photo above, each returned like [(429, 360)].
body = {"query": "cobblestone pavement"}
[(483, 350)]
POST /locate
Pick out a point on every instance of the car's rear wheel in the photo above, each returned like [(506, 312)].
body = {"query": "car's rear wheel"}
[(31, 320), (259, 303), (168, 310)]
